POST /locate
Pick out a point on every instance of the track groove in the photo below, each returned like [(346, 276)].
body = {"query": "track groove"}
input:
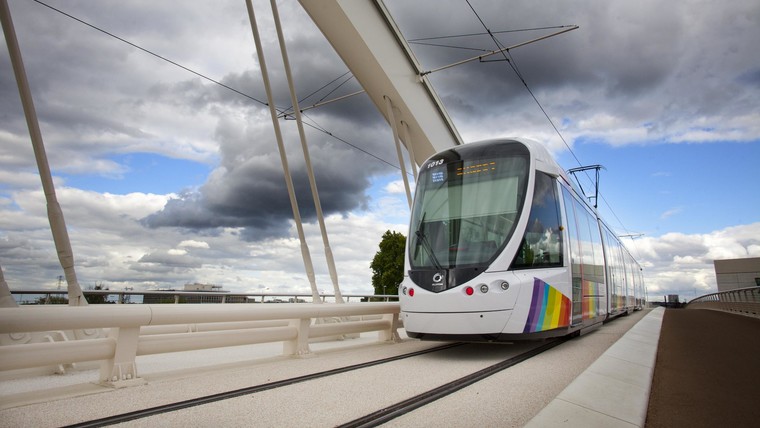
[(370, 420), (391, 412), (143, 413)]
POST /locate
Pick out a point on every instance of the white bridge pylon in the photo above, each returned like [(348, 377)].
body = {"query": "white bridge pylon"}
[(367, 39)]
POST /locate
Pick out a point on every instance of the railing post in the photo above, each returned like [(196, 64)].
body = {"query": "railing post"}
[(300, 345), (121, 370), (390, 335)]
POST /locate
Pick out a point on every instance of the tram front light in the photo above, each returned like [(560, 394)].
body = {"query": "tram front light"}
[(469, 291), (411, 292), (504, 285), (403, 290), (483, 288)]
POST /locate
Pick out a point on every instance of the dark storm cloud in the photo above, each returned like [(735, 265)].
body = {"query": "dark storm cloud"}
[(751, 77), (621, 58), (248, 188)]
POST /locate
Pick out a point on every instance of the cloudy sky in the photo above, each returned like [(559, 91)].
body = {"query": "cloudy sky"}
[(168, 172)]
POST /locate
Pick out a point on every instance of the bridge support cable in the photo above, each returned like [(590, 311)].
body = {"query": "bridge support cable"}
[(409, 147), (6, 298), (499, 51), (307, 157), (55, 214), (330, 101), (370, 44), (305, 254), (392, 119)]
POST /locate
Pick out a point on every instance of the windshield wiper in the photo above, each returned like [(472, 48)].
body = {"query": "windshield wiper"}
[(422, 239)]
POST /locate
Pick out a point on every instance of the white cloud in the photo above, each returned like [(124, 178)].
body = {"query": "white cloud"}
[(396, 187), (670, 213), (191, 243), (682, 264)]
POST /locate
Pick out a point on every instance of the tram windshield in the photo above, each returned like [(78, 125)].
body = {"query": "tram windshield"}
[(467, 205)]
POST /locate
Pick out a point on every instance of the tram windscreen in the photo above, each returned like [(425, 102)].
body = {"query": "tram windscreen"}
[(465, 208)]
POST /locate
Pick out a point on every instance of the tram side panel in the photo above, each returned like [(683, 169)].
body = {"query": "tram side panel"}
[(539, 267), (634, 282), (615, 272), (640, 293), (585, 251)]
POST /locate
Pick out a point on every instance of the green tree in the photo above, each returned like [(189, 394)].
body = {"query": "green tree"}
[(51, 300), (97, 298), (388, 264)]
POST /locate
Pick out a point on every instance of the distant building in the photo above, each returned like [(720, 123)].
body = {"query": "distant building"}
[(737, 273), (215, 295), (203, 287)]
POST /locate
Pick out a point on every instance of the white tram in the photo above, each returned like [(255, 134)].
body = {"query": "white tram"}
[(502, 247)]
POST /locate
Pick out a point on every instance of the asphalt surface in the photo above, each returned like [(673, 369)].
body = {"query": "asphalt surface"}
[(707, 372)]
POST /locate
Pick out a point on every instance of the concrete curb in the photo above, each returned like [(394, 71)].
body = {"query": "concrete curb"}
[(614, 390)]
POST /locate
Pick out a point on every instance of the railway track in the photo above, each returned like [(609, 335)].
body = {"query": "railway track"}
[(372, 419), (405, 406)]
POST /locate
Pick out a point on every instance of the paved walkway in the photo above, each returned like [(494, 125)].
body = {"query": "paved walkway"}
[(614, 390), (707, 372)]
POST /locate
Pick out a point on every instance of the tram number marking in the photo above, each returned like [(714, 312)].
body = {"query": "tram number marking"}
[(434, 164)]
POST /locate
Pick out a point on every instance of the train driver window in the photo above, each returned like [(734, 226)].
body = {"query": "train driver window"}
[(541, 246)]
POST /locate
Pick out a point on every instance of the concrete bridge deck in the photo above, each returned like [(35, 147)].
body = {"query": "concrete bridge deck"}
[(704, 376)]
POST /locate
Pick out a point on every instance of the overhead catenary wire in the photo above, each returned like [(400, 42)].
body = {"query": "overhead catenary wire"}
[(136, 46), (300, 100), (314, 126), (510, 60), (346, 80), (553, 27)]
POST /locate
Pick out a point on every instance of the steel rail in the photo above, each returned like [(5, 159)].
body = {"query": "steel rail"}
[(391, 412), (166, 408)]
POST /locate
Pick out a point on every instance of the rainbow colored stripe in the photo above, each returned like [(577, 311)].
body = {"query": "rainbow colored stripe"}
[(592, 292), (549, 308)]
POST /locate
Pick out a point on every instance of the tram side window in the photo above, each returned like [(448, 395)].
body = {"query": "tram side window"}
[(591, 245), (542, 244)]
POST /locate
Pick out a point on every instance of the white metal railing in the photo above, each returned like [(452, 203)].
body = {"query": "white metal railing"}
[(134, 330), (34, 296), (744, 301)]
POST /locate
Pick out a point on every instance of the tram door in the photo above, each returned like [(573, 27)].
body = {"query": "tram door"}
[(576, 262)]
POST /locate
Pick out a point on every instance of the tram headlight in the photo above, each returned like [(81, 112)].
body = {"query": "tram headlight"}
[(483, 288), (403, 290), (504, 285)]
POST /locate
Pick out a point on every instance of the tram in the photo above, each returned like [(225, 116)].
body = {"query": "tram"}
[(502, 246)]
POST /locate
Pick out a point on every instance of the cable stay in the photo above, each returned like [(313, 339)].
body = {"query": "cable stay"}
[(631, 235), (290, 116), (498, 51), (487, 33)]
